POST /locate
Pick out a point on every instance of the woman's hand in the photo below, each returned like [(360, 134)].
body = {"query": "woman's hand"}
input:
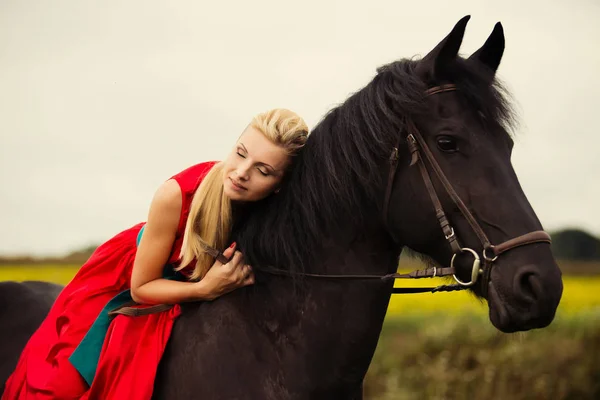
[(224, 278)]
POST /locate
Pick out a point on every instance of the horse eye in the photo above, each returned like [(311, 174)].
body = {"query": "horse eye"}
[(447, 144)]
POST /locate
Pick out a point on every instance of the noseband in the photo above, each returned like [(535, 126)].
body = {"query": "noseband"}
[(490, 253)]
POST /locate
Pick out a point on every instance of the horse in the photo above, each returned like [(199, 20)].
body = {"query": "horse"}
[(359, 192), (23, 307), (419, 158)]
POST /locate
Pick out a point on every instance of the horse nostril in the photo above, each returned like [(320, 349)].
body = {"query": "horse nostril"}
[(527, 285)]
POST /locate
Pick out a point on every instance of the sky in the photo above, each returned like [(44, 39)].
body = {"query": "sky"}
[(102, 101)]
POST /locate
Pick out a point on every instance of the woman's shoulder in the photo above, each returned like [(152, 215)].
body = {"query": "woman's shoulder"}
[(196, 169), (191, 176)]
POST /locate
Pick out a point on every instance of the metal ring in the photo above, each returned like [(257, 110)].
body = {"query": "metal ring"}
[(474, 272), (434, 272), (485, 254)]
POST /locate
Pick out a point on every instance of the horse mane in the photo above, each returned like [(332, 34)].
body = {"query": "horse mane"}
[(338, 174)]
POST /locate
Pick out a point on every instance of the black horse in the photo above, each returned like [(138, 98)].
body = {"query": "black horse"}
[(358, 193), (23, 307)]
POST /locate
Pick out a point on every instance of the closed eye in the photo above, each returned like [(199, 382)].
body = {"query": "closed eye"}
[(240, 154)]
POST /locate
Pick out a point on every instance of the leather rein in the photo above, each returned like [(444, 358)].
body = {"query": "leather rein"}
[(417, 148)]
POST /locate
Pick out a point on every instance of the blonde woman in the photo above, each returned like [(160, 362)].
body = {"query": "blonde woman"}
[(77, 348)]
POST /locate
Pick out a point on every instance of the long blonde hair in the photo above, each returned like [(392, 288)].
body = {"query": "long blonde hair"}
[(210, 218)]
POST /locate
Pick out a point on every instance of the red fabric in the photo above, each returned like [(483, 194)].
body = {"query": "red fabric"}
[(133, 345)]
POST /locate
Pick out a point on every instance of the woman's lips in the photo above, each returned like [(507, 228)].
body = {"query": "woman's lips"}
[(237, 186)]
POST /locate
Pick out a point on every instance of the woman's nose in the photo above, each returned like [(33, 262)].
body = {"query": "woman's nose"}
[(243, 171)]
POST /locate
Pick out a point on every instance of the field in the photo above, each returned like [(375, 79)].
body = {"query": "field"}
[(57, 273), (464, 357), (442, 346)]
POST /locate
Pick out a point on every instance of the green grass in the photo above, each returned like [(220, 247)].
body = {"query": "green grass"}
[(464, 357)]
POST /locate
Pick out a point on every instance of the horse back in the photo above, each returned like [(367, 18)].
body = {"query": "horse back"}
[(23, 307)]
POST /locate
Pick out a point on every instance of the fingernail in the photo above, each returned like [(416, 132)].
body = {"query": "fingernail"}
[(232, 244)]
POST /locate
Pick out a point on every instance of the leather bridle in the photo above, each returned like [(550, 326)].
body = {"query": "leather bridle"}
[(417, 148)]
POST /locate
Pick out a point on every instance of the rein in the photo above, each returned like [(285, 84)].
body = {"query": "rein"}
[(417, 148)]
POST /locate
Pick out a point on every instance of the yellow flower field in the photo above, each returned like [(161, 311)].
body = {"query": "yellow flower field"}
[(49, 273), (581, 293)]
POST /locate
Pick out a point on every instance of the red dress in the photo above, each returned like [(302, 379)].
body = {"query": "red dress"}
[(132, 347)]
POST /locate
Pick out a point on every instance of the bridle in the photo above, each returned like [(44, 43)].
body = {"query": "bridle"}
[(490, 253), (417, 148)]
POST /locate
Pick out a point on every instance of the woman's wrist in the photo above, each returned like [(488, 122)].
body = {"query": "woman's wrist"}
[(202, 291)]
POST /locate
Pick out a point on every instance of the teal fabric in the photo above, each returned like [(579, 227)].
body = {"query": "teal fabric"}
[(87, 354), (139, 236)]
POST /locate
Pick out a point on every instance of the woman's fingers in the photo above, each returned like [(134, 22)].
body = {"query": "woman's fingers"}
[(230, 251), (246, 275), (240, 272), (248, 280), (235, 262), (243, 272), (238, 258)]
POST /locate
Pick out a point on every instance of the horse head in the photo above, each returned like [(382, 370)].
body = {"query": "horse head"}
[(461, 137)]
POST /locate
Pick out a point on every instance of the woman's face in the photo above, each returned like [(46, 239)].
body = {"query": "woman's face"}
[(254, 167)]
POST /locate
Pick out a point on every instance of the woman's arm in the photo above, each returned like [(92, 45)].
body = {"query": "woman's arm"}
[(147, 284)]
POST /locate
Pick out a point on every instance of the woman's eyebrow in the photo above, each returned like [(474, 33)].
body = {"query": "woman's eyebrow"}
[(262, 163)]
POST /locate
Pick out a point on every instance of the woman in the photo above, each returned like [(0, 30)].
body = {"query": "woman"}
[(64, 359)]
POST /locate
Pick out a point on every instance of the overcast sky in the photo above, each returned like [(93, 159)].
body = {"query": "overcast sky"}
[(101, 101)]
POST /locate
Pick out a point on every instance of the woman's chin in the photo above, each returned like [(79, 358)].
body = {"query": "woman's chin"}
[(233, 195)]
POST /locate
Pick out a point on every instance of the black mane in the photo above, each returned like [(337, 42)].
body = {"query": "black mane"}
[(339, 173)]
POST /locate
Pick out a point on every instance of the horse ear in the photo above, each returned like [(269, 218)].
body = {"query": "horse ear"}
[(492, 50), (436, 61)]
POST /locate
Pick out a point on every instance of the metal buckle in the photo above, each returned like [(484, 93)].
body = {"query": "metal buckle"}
[(474, 272), (485, 256), (450, 235)]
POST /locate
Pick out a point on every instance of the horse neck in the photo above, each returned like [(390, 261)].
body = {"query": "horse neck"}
[(328, 330), (366, 250), (339, 320)]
